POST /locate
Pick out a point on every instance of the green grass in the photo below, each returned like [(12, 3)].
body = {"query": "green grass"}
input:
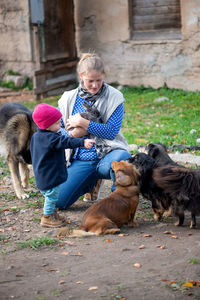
[(168, 122), (193, 261), (37, 243), (145, 121)]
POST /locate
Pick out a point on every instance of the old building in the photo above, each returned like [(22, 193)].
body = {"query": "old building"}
[(142, 42)]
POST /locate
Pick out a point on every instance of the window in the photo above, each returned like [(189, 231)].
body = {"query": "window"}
[(155, 19)]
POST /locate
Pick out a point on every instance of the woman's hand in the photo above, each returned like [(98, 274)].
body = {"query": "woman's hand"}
[(77, 121), (77, 132)]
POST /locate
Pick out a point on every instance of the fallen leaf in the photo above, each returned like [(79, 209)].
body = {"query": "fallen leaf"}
[(195, 282), (161, 246), (188, 284), (174, 236), (164, 279), (65, 253), (172, 282), (60, 245), (108, 241), (123, 234), (69, 243), (147, 235), (11, 228), (2, 230), (189, 294), (141, 247), (19, 275), (168, 232), (79, 282), (137, 265), (61, 282), (92, 288), (67, 222), (79, 254), (50, 269), (27, 230)]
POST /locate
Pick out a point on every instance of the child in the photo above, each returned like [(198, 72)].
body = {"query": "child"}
[(48, 158)]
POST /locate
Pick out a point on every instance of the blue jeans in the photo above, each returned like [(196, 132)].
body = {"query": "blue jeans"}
[(83, 175), (51, 197)]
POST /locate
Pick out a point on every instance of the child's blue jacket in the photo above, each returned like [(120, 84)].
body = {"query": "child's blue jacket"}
[(48, 157)]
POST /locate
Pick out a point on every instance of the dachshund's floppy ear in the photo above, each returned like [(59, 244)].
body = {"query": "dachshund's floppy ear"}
[(122, 179)]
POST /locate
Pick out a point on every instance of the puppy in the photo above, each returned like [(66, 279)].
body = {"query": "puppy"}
[(16, 130), (108, 215)]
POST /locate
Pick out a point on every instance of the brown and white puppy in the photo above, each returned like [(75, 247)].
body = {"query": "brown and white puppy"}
[(109, 214)]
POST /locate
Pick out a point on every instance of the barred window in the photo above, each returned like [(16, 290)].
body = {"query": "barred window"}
[(155, 19)]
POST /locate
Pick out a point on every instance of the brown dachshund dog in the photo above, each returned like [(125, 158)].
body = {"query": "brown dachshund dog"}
[(109, 214)]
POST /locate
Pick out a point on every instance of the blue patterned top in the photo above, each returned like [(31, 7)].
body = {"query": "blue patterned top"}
[(106, 131)]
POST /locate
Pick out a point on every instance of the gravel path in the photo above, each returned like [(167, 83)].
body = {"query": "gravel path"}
[(185, 158)]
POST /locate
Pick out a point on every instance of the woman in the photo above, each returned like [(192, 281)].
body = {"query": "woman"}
[(85, 166)]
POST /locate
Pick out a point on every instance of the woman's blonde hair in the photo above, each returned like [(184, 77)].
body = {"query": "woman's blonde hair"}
[(90, 62)]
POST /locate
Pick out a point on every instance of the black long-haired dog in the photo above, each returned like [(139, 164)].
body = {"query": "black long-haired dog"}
[(170, 185), (159, 153), (183, 187), (161, 202)]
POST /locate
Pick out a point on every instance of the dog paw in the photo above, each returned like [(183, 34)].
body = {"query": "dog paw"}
[(133, 224), (178, 223), (24, 196)]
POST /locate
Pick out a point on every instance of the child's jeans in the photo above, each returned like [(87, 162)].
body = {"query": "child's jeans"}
[(51, 196)]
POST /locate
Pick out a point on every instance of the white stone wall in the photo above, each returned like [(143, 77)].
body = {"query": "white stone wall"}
[(16, 44), (103, 26)]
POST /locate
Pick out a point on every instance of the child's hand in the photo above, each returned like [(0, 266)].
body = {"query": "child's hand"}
[(88, 143)]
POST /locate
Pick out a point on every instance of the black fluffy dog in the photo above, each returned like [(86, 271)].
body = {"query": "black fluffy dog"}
[(161, 202), (158, 152), (183, 187), (168, 185)]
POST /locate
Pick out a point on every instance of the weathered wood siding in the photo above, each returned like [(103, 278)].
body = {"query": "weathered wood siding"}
[(155, 15)]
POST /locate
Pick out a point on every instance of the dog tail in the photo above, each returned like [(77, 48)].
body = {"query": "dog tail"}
[(67, 232)]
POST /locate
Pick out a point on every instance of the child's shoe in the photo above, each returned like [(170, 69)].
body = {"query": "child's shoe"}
[(51, 221)]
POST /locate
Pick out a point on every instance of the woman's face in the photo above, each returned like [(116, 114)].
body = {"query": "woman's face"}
[(92, 81)]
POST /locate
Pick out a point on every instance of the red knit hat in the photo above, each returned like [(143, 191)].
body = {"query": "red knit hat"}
[(45, 115)]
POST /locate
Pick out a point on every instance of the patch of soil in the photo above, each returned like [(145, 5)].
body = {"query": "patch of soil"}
[(150, 261)]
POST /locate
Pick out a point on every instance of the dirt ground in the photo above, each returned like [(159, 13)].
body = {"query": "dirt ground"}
[(153, 261)]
